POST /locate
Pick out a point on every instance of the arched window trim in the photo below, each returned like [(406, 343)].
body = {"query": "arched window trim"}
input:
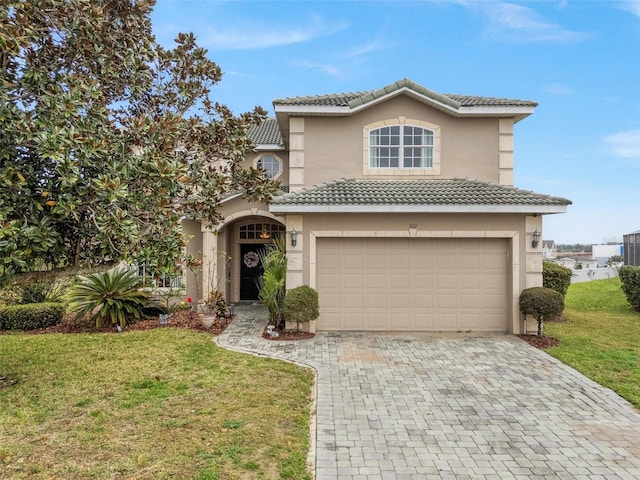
[(433, 170)]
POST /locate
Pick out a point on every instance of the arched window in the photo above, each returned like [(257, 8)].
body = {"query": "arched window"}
[(401, 146)]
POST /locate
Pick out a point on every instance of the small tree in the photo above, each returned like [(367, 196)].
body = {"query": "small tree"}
[(556, 277), (301, 305), (542, 304), (615, 262), (630, 278)]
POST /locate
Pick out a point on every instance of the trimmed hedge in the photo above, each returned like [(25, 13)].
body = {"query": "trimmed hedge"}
[(630, 279), (542, 304), (556, 277), (31, 316), (301, 305)]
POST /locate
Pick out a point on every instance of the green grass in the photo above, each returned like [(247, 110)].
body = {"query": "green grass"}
[(156, 404), (601, 337)]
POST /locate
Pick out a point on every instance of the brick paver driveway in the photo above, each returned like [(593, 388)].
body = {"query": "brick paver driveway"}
[(452, 406)]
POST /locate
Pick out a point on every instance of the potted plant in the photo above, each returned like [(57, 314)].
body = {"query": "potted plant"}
[(212, 307)]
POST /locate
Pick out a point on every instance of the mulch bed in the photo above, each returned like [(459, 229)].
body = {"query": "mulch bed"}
[(180, 319), (540, 342), (288, 335)]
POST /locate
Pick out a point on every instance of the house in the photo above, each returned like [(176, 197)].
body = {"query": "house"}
[(549, 249), (585, 263), (631, 248), (566, 262), (398, 206)]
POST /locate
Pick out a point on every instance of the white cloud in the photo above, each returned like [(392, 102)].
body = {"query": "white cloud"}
[(253, 36), (558, 89), (364, 49), (631, 6), (517, 22), (331, 70), (625, 144)]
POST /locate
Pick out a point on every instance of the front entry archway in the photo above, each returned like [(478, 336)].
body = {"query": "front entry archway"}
[(251, 238)]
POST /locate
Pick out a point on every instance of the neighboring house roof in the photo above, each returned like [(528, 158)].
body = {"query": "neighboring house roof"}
[(266, 135), (442, 195), (548, 243)]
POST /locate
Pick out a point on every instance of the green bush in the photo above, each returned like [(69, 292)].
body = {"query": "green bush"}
[(556, 277), (31, 316), (301, 305), (630, 278), (542, 304), (114, 296)]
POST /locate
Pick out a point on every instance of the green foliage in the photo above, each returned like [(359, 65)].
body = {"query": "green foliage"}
[(301, 305), (556, 277), (112, 296), (541, 303), (10, 295), (109, 139), (30, 316), (272, 283), (214, 304), (630, 278)]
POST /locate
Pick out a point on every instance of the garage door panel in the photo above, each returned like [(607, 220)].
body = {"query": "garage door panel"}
[(412, 284)]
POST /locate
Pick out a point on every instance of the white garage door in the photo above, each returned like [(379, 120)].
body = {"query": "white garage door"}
[(412, 284)]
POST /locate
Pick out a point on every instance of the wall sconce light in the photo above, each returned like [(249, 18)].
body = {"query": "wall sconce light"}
[(535, 238), (294, 238)]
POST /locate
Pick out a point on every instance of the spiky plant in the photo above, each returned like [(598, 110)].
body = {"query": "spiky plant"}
[(113, 296), (272, 282)]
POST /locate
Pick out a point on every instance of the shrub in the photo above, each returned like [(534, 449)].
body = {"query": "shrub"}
[(272, 282), (31, 316), (542, 304), (630, 278), (301, 305), (10, 295), (114, 295), (556, 277)]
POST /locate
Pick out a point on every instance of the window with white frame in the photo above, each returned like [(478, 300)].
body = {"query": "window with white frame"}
[(401, 146), (270, 165)]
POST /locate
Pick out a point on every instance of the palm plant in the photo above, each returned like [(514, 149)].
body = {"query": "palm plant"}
[(272, 282), (113, 296)]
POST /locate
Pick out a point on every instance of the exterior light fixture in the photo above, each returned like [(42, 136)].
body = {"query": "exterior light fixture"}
[(535, 238), (294, 238)]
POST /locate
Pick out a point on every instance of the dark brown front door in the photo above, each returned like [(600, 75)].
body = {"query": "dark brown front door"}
[(250, 270)]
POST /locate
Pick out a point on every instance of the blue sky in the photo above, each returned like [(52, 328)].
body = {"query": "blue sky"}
[(580, 60)]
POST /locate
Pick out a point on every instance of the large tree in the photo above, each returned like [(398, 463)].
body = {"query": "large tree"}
[(107, 139)]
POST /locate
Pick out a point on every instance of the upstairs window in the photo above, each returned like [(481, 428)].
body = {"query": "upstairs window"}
[(270, 165), (401, 146)]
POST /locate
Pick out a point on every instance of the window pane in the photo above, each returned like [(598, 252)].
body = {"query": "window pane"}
[(395, 130)]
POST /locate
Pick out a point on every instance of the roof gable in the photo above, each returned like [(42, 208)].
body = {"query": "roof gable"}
[(454, 104)]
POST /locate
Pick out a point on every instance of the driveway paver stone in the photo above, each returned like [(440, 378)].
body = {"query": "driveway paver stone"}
[(451, 406)]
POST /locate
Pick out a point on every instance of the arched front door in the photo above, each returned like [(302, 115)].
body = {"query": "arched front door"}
[(252, 240)]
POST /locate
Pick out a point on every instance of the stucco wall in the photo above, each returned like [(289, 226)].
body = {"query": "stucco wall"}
[(333, 146)]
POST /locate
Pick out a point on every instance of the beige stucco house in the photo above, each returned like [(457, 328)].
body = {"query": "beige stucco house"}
[(399, 209)]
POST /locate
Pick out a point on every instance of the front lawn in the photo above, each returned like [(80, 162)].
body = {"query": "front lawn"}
[(601, 337), (157, 404)]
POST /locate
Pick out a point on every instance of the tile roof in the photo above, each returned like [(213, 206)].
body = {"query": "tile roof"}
[(354, 99), (267, 133), (441, 192)]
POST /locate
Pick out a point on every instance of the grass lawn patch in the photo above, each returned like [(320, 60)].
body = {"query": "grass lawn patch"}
[(156, 404), (601, 336)]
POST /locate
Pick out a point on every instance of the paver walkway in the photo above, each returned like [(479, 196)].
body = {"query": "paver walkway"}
[(452, 406)]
